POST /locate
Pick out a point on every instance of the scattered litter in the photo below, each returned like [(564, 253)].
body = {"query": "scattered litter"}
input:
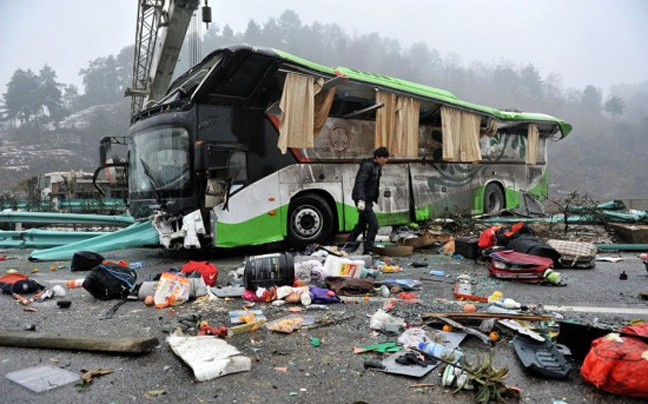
[(542, 358), (245, 316), (406, 363), (88, 376), (42, 378), (609, 259), (209, 357)]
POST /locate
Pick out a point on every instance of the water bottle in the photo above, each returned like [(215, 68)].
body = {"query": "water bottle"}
[(136, 265), (496, 309), (435, 272), (439, 351), (75, 283), (498, 299)]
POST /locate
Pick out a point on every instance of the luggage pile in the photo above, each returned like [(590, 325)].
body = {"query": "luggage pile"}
[(516, 252)]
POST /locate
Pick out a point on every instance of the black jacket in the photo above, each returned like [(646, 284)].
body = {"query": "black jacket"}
[(367, 181)]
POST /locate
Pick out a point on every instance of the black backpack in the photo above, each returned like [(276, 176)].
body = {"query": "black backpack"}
[(110, 281), (85, 260)]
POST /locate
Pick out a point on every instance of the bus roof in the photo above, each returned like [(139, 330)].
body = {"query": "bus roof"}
[(443, 96)]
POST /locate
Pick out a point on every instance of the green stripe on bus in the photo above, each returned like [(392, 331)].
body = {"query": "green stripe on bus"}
[(261, 229)]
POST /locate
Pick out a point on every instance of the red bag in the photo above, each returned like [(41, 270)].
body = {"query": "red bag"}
[(208, 271), (618, 364), (519, 266), (487, 238)]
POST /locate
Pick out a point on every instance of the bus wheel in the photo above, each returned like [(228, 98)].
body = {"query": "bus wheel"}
[(310, 220), (493, 198)]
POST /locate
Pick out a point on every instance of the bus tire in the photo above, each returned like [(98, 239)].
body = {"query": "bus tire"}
[(310, 220), (493, 198)]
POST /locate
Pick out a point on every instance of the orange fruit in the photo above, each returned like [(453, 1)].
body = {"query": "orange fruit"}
[(470, 308), (148, 300), (447, 328), (494, 336)]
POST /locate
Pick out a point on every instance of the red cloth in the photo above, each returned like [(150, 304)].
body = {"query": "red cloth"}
[(208, 271)]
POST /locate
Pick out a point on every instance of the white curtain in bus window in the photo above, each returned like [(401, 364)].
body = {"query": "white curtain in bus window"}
[(323, 103), (532, 145), (297, 112), (460, 135), (385, 119), (404, 141), (397, 124)]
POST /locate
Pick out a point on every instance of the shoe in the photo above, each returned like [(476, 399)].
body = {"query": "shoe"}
[(371, 253), (350, 247)]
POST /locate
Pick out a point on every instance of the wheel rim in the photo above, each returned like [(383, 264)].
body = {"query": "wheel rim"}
[(494, 202), (307, 222)]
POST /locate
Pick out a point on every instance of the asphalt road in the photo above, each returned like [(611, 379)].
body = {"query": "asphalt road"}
[(287, 368)]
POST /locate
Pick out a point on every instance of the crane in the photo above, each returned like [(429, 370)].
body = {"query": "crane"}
[(161, 29)]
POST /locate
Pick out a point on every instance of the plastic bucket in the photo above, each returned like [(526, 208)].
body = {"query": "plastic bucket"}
[(268, 270)]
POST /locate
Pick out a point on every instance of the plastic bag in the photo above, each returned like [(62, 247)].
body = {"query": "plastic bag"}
[(286, 324), (172, 290), (618, 365)]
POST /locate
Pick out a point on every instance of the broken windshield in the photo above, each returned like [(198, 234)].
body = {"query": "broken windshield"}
[(185, 85), (159, 161)]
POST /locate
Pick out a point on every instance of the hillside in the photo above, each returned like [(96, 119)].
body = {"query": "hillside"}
[(73, 145)]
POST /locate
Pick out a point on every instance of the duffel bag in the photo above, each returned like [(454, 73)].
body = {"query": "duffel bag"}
[(574, 254), (518, 266), (110, 281)]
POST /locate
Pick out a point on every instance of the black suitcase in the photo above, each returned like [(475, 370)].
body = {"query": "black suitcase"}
[(467, 247)]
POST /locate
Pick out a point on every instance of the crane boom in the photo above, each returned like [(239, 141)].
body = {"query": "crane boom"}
[(158, 40)]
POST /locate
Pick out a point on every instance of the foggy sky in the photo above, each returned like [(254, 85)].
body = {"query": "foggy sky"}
[(598, 42)]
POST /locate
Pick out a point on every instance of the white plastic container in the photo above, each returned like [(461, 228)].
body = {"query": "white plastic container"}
[(340, 266)]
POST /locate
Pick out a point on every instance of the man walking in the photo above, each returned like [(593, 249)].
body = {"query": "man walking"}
[(365, 193)]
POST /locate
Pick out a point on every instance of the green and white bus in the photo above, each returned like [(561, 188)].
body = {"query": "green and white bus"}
[(255, 145)]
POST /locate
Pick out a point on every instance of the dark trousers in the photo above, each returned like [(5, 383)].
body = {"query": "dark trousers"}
[(369, 221)]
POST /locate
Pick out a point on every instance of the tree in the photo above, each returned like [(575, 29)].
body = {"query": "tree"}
[(591, 99), (104, 80), (253, 33), (531, 82), (70, 97), (289, 26), (51, 94), (506, 79), (21, 101), (553, 87), (614, 106)]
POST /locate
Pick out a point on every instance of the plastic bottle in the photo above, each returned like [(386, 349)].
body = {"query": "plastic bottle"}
[(369, 273), (136, 265), (498, 299), (439, 351), (552, 276), (75, 283), (437, 273), (305, 298), (496, 309)]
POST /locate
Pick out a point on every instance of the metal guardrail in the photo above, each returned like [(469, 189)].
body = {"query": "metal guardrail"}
[(65, 218), (36, 238)]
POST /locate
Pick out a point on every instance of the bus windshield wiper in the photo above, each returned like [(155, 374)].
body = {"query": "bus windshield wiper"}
[(154, 183)]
